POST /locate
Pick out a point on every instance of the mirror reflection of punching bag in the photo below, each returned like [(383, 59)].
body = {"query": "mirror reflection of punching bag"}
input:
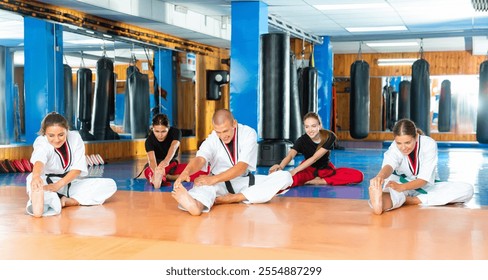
[(215, 80), (444, 119), (482, 114), (404, 100), (84, 83)]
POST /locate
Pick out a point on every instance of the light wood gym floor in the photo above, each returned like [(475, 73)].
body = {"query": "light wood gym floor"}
[(315, 223)]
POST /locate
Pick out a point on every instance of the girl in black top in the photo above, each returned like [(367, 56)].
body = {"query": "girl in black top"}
[(162, 147), (316, 168)]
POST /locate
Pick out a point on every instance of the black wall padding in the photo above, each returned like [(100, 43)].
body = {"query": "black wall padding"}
[(137, 109), (104, 95), (84, 85), (404, 100), (359, 100), (295, 115), (482, 116), (69, 97), (420, 95), (308, 90), (444, 119), (275, 86)]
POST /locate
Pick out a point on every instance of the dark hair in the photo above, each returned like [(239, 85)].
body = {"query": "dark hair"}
[(312, 115), (325, 134), (406, 127), (51, 119), (160, 119)]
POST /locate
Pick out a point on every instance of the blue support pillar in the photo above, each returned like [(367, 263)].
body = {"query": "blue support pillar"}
[(164, 73), (249, 21), (43, 73), (324, 58)]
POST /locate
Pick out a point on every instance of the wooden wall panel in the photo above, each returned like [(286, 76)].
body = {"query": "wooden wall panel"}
[(441, 63)]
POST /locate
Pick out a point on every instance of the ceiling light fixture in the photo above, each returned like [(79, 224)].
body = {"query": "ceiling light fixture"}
[(377, 28), (351, 6), (395, 61)]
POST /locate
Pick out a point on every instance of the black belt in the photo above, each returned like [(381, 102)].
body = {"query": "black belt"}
[(229, 187), (49, 181)]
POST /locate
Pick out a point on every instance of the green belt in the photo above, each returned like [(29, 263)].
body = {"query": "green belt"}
[(403, 180)]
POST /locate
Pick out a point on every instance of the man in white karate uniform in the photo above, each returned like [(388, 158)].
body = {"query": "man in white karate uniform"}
[(231, 151)]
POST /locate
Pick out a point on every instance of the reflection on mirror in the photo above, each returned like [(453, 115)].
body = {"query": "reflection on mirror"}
[(453, 102), (137, 92)]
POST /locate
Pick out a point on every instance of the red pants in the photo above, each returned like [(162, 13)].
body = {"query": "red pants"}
[(174, 168), (333, 176)]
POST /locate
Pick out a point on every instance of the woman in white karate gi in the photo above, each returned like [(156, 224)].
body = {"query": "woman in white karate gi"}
[(231, 152), (409, 174), (59, 160)]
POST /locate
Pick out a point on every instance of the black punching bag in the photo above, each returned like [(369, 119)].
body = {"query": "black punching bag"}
[(359, 100), (444, 120), (275, 98), (295, 115), (275, 86), (420, 95), (84, 84), (137, 111), (102, 100), (482, 116), (404, 100), (69, 98), (308, 90)]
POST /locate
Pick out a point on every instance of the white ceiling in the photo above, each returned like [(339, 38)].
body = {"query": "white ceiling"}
[(443, 25)]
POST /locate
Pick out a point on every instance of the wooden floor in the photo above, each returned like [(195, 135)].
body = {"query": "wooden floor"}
[(149, 226)]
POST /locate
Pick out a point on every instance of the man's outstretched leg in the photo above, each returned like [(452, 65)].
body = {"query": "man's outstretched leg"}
[(230, 198), (181, 195)]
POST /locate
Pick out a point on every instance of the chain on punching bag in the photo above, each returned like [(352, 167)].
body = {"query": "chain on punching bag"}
[(420, 95), (482, 116), (444, 119), (359, 100)]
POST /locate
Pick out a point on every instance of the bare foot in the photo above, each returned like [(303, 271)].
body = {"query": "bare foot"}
[(157, 179), (66, 202), (316, 181), (230, 198), (181, 195), (37, 199), (376, 198)]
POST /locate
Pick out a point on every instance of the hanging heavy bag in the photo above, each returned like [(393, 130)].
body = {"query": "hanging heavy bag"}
[(84, 85), (444, 118), (482, 116), (420, 95), (404, 100), (103, 86), (275, 86), (359, 100), (295, 115)]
